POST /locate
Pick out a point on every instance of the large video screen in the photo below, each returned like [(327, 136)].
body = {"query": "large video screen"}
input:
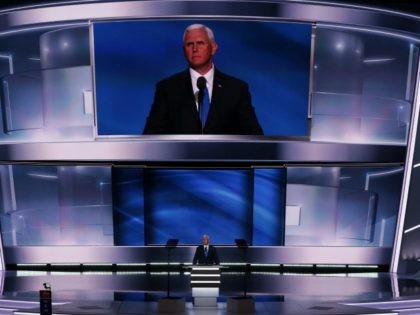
[(152, 205), (273, 58)]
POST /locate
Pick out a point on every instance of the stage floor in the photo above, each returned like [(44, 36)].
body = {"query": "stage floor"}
[(132, 293)]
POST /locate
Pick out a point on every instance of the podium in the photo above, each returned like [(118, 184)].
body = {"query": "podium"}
[(205, 283)]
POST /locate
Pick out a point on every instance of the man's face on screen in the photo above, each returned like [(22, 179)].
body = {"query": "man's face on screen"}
[(199, 50), (205, 240)]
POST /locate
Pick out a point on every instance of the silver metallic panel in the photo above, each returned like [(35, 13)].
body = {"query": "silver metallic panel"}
[(311, 12), (406, 254), (184, 254), (203, 148), (92, 285)]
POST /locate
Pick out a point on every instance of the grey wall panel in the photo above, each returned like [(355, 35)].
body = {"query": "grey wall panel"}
[(184, 254), (268, 284)]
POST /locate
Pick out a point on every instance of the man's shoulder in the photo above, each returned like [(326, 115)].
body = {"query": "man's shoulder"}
[(227, 78), (176, 77)]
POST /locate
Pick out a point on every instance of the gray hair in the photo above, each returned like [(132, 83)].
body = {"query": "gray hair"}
[(209, 32)]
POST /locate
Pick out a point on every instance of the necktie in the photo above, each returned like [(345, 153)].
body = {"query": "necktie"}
[(205, 251), (204, 104)]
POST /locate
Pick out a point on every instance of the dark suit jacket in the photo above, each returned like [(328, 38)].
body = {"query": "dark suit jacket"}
[(174, 110), (200, 258)]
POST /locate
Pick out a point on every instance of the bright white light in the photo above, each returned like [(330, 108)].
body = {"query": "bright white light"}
[(297, 265), (364, 266), (345, 177), (43, 175), (331, 266), (339, 46), (131, 272), (378, 60), (197, 281), (412, 229), (204, 268)]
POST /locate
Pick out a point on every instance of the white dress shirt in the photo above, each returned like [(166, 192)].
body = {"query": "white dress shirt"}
[(209, 78)]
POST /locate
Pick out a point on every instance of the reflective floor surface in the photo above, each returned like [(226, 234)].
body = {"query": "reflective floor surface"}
[(132, 293)]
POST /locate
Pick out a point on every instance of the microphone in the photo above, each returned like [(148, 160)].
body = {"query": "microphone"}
[(201, 84)]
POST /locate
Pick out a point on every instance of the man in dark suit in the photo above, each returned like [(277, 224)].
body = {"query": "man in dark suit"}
[(206, 254), (179, 105)]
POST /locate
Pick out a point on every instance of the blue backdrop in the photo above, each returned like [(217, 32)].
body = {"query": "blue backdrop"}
[(153, 205), (272, 57)]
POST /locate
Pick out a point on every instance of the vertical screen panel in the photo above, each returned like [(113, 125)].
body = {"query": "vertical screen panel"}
[(128, 199), (269, 206), (186, 204), (152, 205)]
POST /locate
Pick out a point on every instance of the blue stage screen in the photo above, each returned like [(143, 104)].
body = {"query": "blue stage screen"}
[(152, 205), (186, 204), (128, 205), (269, 206), (130, 57)]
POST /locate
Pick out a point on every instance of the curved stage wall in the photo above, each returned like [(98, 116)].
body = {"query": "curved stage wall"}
[(346, 142)]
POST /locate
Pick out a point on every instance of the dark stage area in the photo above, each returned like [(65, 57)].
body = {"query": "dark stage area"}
[(138, 292)]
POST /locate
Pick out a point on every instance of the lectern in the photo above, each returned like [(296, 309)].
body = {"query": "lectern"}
[(205, 282)]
